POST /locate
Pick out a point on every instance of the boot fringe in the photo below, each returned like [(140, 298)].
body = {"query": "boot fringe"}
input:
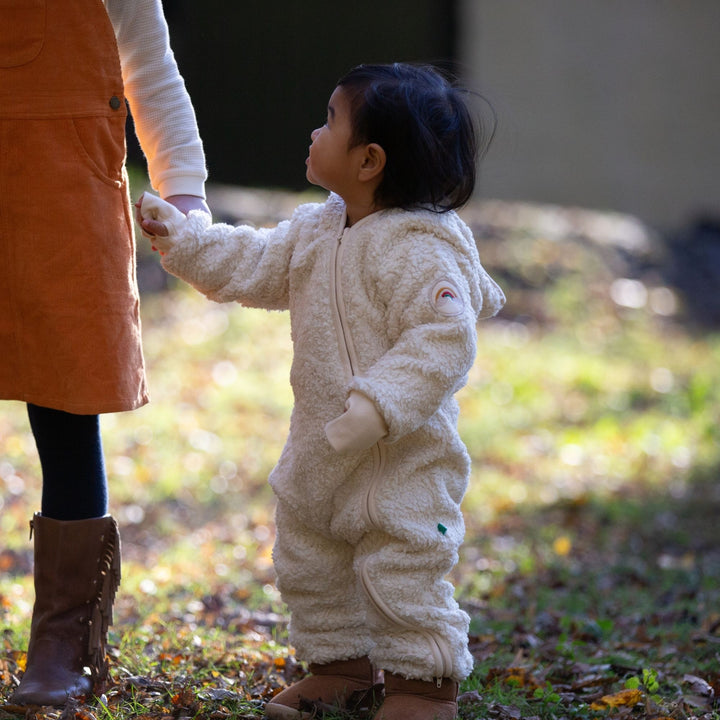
[(109, 574)]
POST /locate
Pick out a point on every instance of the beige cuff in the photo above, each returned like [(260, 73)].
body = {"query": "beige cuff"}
[(358, 428)]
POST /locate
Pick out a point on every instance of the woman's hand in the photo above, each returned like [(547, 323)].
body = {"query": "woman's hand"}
[(186, 203)]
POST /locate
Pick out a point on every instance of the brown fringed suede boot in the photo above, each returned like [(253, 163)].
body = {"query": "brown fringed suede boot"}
[(77, 571), (331, 684), (418, 699)]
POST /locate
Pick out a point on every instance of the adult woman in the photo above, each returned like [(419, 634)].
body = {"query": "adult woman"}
[(69, 312)]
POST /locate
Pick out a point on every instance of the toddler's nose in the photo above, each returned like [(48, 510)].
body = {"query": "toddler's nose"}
[(314, 133)]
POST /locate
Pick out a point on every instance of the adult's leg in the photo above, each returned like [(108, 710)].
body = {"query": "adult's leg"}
[(77, 562), (73, 468)]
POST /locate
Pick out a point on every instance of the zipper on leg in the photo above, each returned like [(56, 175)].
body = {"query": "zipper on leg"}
[(370, 507), (442, 658)]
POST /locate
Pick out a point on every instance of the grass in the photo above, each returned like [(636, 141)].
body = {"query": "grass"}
[(592, 562)]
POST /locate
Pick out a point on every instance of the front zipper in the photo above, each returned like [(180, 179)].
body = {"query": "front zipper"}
[(442, 658), (349, 360), (338, 306)]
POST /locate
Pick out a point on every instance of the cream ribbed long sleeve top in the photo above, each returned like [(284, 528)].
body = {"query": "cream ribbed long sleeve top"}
[(162, 110)]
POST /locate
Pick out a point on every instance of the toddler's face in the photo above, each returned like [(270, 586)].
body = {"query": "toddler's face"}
[(330, 158)]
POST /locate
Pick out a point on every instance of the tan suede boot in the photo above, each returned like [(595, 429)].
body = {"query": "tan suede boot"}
[(418, 699), (77, 571), (330, 684)]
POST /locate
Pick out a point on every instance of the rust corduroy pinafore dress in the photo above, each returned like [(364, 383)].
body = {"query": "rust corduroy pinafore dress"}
[(69, 311)]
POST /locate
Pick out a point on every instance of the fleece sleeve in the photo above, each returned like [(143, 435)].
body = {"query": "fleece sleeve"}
[(432, 328), (234, 263)]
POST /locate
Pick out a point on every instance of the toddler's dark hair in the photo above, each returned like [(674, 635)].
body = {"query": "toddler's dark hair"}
[(424, 125)]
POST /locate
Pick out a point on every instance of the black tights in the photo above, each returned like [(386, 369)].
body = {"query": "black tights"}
[(73, 468)]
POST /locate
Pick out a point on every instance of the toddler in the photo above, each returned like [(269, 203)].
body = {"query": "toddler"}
[(384, 288)]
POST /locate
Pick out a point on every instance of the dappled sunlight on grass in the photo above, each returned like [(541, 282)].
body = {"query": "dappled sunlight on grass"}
[(545, 421)]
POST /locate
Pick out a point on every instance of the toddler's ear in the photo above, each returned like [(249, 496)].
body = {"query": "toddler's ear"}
[(373, 162)]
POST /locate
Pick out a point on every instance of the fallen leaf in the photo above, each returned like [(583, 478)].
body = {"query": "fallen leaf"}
[(470, 697), (562, 546), (619, 699), (510, 711), (699, 686)]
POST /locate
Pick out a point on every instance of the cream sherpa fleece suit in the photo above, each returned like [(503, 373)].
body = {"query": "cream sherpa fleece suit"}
[(383, 319)]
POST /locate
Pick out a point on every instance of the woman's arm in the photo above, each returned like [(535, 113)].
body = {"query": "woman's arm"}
[(161, 107)]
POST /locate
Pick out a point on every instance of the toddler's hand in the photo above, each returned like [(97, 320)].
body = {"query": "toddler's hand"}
[(158, 220)]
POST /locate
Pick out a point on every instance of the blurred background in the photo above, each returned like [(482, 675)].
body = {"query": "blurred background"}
[(601, 105), (605, 104)]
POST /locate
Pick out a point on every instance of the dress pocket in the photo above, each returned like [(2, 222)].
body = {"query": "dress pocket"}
[(100, 143), (24, 34)]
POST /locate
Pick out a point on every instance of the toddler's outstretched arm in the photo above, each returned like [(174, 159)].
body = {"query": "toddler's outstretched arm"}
[(224, 262)]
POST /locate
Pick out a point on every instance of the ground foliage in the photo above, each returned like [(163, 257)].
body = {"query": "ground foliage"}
[(591, 569)]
